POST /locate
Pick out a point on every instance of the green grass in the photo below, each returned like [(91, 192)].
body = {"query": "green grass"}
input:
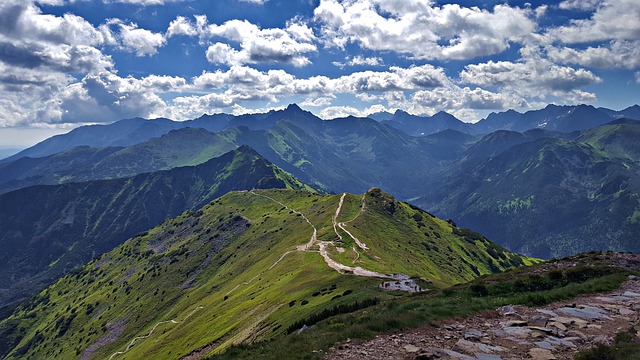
[(411, 311), (214, 272), (625, 347)]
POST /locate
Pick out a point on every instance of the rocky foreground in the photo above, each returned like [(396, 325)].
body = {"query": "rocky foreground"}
[(555, 331)]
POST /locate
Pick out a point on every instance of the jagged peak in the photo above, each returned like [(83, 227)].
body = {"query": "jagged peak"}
[(293, 107)]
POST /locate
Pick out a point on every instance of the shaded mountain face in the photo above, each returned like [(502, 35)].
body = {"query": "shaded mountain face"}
[(550, 197), (419, 125), (350, 154), (182, 147), (247, 267), (48, 230)]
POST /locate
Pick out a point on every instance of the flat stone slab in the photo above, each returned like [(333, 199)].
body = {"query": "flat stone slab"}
[(470, 347), (569, 321), (547, 312), (429, 353), (626, 312), (631, 294), (541, 354), (544, 345), (483, 356), (583, 313), (557, 341), (542, 329), (473, 335), (517, 331), (557, 325), (411, 348)]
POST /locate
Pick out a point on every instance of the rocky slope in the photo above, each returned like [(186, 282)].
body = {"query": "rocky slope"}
[(555, 331)]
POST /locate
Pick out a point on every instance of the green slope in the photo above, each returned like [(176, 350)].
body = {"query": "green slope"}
[(552, 197), (246, 267), (48, 230)]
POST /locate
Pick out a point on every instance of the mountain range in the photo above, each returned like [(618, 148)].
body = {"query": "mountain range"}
[(467, 177), (160, 239), (133, 131)]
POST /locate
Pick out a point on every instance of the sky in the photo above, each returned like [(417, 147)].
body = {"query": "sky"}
[(67, 63)]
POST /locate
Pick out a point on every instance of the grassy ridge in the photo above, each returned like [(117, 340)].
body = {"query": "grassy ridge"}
[(229, 274)]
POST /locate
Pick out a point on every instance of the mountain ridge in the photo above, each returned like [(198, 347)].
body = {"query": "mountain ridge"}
[(247, 267), (49, 229), (128, 130)]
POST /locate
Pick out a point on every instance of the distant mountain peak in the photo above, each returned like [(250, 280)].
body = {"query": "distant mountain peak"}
[(294, 107)]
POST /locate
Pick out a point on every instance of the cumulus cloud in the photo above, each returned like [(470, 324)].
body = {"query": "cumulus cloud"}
[(142, 2), (532, 76), (421, 30), (334, 112), (322, 101), (612, 20), (616, 54), (359, 60), (134, 39), (248, 43), (582, 5)]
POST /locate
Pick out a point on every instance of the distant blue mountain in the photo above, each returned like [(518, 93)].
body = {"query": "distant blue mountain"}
[(129, 132), (555, 118), (419, 125)]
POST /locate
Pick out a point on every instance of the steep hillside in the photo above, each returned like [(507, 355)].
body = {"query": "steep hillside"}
[(551, 197), (52, 169), (48, 230), (249, 266)]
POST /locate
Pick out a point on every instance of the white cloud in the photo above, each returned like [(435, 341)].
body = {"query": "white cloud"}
[(23, 21), (638, 77), (465, 98), (291, 45), (582, 5), (613, 20), (181, 26), (360, 60), (257, 2), (318, 101), (532, 76), (141, 41), (421, 30), (617, 54), (142, 2)]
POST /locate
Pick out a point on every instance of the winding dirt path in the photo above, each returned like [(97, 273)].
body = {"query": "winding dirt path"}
[(342, 225), (323, 245), (313, 241)]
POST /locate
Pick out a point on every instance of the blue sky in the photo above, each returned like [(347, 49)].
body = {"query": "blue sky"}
[(66, 63)]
